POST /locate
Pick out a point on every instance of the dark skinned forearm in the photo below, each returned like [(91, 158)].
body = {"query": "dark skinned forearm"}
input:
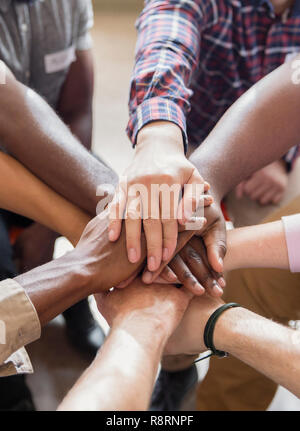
[(75, 105), (32, 132), (258, 129)]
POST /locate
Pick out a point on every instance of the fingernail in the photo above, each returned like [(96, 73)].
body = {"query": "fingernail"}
[(111, 235), (147, 277), (165, 254), (198, 289), (132, 255), (222, 282), (151, 263), (171, 276), (216, 288), (220, 260)]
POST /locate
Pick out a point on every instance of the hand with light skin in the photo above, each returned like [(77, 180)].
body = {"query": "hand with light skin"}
[(159, 159), (270, 348), (123, 374), (266, 186)]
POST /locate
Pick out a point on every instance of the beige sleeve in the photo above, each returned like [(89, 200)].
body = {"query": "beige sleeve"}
[(19, 326)]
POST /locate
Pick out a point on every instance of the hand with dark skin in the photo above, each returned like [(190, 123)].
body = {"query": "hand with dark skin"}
[(35, 245)]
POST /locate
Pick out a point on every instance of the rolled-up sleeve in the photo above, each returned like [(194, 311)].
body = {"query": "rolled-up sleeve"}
[(86, 22), (19, 326), (292, 234)]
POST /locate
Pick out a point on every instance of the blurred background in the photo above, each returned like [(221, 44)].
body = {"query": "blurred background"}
[(57, 365)]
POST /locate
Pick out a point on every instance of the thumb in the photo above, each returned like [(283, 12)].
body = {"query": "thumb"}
[(215, 242)]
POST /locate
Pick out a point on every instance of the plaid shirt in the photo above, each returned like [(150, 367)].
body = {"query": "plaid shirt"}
[(195, 58)]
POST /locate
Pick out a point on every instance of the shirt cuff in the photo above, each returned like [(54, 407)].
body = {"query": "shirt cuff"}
[(292, 233), (19, 322), (156, 109), (17, 363), (84, 42)]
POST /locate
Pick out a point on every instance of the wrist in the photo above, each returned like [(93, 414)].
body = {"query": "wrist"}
[(147, 330), (79, 274), (163, 133), (226, 329)]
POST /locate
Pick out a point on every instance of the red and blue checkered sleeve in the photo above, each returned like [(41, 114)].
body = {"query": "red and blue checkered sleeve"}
[(167, 54)]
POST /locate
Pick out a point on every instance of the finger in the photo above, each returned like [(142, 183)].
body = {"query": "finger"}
[(168, 215), (278, 198), (267, 198), (215, 243), (192, 201), (185, 276), (239, 190), (116, 211), (258, 192), (194, 255), (152, 227), (253, 184), (183, 238), (133, 226), (168, 275)]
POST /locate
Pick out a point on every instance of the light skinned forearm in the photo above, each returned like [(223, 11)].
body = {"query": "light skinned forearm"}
[(258, 129), (123, 374), (261, 246), (270, 348), (23, 193), (32, 132)]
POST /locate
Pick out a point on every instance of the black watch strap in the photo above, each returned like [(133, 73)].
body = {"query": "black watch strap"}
[(210, 327)]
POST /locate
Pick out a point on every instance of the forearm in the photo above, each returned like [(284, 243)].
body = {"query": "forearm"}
[(75, 106), (123, 374), (23, 193), (272, 349), (164, 55), (261, 246), (258, 129), (56, 286), (51, 152)]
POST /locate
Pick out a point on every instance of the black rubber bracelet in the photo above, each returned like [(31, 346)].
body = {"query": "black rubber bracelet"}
[(210, 327)]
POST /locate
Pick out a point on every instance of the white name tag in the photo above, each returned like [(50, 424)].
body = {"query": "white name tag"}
[(60, 60)]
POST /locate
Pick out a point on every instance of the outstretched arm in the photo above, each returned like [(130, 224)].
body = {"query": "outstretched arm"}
[(123, 374), (23, 193), (270, 348), (258, 129), (32, 132), (261, 246)]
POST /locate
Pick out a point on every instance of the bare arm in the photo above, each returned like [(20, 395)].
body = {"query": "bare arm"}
[(261, 246), (270, 348), (76, 100), (23, 193), (123, 374), (31, 131), (258, 129)]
